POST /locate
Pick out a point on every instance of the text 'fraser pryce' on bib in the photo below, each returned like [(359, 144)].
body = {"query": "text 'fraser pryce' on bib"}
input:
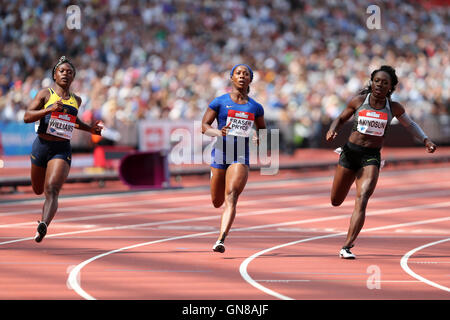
[(240, 123), (61, 125), (372, 122)]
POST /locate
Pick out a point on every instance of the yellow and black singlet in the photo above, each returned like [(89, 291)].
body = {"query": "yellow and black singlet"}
[(70, 107)]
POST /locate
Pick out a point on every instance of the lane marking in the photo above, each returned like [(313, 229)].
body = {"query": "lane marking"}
[(77, 287), (249, 186), (195, 197), (254, 186), (337, 280), (74, 273), (428, 262), (267, 211), (199, 197), (166, 200), (244, 265), (293, 197), (162, 270), (163, 200), (406, 268)]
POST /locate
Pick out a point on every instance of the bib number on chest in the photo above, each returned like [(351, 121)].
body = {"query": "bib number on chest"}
[(240, 123), (61, 125), (372, 122)]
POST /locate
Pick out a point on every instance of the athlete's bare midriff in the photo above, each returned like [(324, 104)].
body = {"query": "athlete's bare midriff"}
[(366, 140)]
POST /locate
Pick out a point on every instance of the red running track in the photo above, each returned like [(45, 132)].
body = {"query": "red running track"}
[(156, 245)]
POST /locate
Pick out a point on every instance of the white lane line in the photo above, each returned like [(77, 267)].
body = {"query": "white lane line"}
[(202, 197), (244, 265), (140, 211), (251, 186), (335, 280), (404, 265), (192, 197), (196, 197), (74, 283), (428, 262), (73, 276), (172, 210), (267, 211)]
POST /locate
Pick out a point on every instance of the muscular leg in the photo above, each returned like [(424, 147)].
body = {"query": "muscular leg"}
[(366, 182), (217, 186), (235, 181), (37, 178), (57, 172), (343, 180)]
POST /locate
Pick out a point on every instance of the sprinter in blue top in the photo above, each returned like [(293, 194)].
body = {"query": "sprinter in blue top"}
[(236, 113)]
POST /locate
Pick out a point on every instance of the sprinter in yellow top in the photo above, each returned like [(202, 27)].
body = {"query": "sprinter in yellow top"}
[(56, 110)]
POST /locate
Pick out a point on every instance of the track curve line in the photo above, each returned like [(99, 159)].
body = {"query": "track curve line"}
[(407, 269), (244, 265), (74, 274)]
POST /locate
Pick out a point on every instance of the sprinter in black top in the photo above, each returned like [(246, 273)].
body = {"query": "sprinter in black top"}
[(359, 160)]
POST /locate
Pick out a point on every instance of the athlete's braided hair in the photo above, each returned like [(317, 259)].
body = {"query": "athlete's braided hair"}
[(62, 60), (391, 72)]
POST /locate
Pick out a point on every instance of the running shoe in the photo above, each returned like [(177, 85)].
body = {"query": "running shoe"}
[(219, 246), (345, 253), (41, 231)]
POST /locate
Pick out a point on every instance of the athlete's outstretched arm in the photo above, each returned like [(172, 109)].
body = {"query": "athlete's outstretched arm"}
[(399, 112)]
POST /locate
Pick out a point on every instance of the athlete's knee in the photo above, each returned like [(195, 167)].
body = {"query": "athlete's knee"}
[(336, 202), (38, 190), (336, 199), (364, 194), (52, 190), (232, 195), (217, 203)]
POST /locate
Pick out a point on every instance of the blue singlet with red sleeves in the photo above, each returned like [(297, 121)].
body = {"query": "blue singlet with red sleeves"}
[(240, 118)]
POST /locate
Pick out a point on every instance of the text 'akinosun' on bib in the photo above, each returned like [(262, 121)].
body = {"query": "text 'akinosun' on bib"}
[(240, 123), (372, 122), (61, 125)]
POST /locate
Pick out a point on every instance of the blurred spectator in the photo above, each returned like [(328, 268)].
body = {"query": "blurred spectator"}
[(168, 59)]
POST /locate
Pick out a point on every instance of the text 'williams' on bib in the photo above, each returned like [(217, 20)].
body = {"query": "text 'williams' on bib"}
[(61, 125)]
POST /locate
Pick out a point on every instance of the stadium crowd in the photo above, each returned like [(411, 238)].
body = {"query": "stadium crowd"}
[(168, 59)]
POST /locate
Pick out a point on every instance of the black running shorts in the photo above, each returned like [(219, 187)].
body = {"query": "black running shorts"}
[(44, 150), (354, 157)]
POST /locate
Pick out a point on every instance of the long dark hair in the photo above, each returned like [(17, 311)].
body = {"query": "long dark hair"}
[(394, 80)]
